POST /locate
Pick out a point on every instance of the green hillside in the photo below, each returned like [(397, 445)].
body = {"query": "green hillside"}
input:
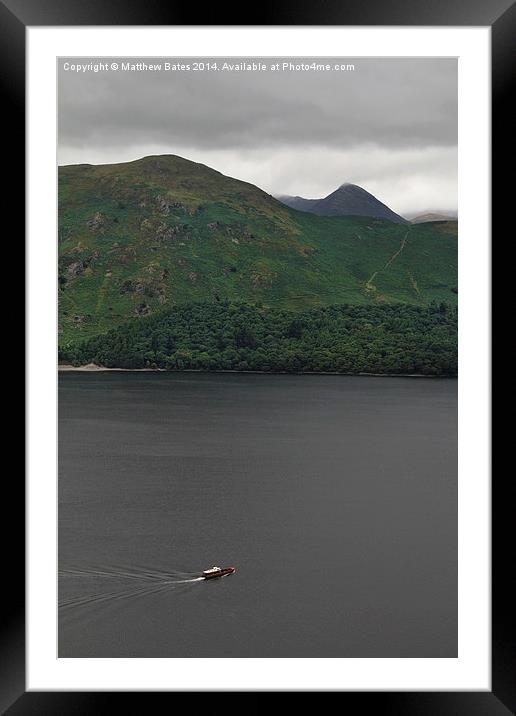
[(139, 238)]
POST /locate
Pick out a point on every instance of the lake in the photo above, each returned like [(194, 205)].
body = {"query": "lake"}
[(334, 497)]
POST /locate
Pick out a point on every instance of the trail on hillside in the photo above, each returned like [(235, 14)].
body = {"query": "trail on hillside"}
[(101, 293), (369, 283)]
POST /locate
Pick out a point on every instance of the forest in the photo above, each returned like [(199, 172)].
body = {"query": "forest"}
[(384, 338)]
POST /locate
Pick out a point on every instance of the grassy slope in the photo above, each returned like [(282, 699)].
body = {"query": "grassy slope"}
[(162, 231)]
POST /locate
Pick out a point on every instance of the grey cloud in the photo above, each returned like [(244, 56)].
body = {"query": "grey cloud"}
[(387, 110), (390, 102)]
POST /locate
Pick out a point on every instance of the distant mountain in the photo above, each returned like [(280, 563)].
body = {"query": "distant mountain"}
[(424, 217), (347, 200), (143, 237)]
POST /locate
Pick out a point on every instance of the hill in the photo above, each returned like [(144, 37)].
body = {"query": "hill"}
[(140, 237), (347, 200)]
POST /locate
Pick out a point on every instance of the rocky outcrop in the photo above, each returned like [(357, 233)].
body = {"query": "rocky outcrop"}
[(163, 205), (143, 309), (168, 233), (77, 267), (135, 286), (96, 223), (229, 269)]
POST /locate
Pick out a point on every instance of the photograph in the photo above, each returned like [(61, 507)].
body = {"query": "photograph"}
[(258, 357)]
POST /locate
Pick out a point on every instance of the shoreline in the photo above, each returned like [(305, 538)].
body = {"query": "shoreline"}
[(93, 368)]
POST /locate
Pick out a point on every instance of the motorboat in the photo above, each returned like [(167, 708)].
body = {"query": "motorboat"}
[(214, 572)]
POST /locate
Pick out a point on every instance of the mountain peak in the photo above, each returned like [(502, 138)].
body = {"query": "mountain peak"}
[(348, 199)]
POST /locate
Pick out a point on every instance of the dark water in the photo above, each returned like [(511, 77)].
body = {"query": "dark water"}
[(335, 498)]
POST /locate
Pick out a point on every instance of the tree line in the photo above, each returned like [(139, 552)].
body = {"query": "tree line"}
[(383, 338)]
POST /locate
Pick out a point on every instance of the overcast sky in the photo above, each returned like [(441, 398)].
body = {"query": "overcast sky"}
[(390, 125)]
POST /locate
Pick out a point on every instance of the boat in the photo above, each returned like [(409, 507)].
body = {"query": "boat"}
[(214, 572)]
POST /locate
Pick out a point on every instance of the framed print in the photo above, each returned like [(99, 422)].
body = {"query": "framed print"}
[(258, 365)]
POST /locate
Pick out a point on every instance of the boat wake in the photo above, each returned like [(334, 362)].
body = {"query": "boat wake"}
[(134, 583)]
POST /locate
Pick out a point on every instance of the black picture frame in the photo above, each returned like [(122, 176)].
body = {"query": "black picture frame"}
[(15, 17)]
